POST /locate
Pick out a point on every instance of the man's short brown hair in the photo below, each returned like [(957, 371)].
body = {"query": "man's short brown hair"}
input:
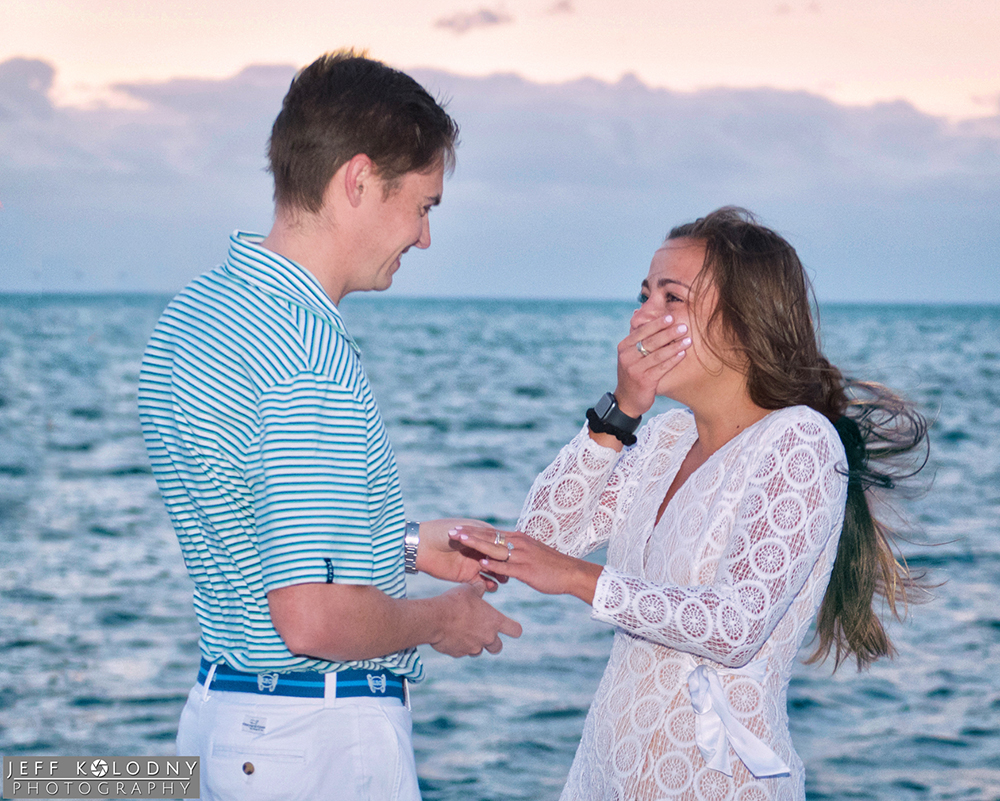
[(344, 104)]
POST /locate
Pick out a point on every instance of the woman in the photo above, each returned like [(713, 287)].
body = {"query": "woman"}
[(723, 523)]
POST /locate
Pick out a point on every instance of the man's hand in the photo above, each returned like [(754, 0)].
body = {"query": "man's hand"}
[(443, 557), (471, 624), (349, 622)]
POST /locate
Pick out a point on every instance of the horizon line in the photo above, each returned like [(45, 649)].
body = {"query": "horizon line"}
[(378, 296)]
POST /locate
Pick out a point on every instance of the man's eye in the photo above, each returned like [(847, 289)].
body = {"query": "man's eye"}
[(643, 297)]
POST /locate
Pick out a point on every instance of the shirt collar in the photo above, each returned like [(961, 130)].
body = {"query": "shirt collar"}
[(282, 278)]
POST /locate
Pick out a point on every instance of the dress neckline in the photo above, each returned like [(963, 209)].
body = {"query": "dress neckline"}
[(692, 428)]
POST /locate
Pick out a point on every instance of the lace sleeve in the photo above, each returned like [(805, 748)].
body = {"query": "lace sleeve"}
[(792, 503), (569, 506)]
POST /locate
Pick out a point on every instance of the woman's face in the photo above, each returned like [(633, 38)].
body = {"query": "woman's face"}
[(667, 290)]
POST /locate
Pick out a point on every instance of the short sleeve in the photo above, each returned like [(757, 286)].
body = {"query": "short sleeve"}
[(311, 488)]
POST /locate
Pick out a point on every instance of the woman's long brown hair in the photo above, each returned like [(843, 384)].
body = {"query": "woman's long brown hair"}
[(764, 311)]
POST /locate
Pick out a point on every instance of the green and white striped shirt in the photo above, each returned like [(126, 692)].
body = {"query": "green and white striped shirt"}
[(270, 453)]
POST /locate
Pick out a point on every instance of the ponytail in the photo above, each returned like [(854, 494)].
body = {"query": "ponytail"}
[(763, 310), (879, 434)]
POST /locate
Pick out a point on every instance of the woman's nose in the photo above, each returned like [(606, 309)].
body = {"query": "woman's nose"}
[(642, 315)]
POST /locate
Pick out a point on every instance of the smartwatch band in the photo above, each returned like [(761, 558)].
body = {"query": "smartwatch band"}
[(606, 418)]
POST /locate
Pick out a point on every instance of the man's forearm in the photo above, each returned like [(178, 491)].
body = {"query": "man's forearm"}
[(345, 622)]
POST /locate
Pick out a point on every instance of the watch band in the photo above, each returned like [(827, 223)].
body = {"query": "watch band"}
[(608, 412), (606, 418), (411, 541)]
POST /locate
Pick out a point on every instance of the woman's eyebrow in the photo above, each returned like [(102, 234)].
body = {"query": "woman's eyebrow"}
[(662, 282)]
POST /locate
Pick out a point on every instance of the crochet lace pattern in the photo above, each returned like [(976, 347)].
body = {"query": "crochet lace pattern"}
[(730, 578)]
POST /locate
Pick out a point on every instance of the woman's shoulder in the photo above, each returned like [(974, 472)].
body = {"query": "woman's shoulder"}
[(800, 415), (801, 422), (663, 432), (672, 420)]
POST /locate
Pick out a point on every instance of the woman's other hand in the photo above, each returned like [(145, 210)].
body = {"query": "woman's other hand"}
[(443, 557), (664, 343), (519, 556)]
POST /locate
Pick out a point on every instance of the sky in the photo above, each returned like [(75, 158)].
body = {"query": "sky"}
[(132, 136), (941, 55)]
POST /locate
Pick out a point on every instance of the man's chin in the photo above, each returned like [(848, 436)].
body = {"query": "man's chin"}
[(387, 282)]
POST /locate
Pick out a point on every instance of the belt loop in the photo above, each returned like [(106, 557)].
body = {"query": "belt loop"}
[(208, 682), (329, 690)]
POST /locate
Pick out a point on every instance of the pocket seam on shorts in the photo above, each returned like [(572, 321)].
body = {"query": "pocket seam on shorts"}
[(274, 754), (398, 779)]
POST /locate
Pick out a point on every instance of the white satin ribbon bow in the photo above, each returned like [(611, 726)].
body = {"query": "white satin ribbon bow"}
[(716, 727)]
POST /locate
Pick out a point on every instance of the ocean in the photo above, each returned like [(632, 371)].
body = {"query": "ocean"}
[(98, 637)]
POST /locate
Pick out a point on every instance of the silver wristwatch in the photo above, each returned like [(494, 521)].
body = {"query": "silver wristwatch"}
[(411, 541)]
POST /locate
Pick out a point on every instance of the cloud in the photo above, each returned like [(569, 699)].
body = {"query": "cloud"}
[(464, 21), (24, 87), (991, 101), (885, 202), (123, 198), (561, 190)]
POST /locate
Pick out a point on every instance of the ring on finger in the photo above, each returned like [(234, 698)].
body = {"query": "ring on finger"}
[(499, 539), (642, 348)]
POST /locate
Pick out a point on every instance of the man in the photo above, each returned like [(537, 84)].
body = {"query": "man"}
[(274, 465)]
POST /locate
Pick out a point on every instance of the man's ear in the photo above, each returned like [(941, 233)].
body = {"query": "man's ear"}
[(359, 178)]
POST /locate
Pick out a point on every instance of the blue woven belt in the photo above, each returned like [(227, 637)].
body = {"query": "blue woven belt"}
[(352, 683)]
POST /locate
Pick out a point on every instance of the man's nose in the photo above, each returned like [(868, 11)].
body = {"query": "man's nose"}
[(425, 234)]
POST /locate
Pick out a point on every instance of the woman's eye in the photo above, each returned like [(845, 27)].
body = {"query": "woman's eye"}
[(643, 297), (672, 298)]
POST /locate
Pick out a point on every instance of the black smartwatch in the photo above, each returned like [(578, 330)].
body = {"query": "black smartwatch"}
[(607, 418)]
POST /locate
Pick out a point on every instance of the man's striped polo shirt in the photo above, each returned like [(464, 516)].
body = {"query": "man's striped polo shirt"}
[(269, 450)]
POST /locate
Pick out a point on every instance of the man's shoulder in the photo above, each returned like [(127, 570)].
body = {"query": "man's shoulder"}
[(222, 317), (211, 296), (217, 304)]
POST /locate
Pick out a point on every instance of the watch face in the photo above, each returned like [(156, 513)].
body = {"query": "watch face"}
[(604, 405)]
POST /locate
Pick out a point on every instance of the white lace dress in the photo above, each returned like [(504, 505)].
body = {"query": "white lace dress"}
[(709, 605)]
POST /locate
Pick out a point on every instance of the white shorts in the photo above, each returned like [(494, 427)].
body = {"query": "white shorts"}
[(261, 747)]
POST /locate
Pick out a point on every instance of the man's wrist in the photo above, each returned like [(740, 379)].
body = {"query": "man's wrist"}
[(411, 543)]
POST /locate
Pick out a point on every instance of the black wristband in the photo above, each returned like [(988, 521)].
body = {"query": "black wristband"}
[(598, 426)]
